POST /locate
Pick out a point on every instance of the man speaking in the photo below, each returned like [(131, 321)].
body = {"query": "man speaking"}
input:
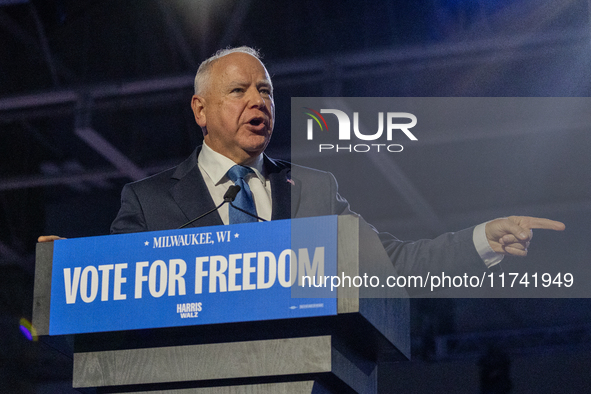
[(233, 105)]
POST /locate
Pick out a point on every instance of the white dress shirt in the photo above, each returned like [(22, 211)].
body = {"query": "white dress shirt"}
[(489, 256), (214, 166)]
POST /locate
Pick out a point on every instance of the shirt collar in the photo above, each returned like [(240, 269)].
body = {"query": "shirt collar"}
[(217, 165)]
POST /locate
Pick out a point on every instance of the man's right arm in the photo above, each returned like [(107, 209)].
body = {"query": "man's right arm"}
[(130, 218)]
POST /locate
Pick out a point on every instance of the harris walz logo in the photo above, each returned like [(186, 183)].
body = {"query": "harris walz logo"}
[(395, 122), (189, 309)]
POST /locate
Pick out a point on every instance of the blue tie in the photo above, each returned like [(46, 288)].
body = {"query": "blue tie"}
[(244, 198)]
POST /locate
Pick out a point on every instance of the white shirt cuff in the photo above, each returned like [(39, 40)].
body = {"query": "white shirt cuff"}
[(489, 256)]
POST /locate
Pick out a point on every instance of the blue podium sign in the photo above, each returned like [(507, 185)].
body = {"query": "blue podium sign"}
[(194, 276)]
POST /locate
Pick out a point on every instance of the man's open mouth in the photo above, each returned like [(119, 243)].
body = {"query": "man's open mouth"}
[(256, 121)]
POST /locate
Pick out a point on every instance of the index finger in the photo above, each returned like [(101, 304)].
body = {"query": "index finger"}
[(542, 223), (48, 238)]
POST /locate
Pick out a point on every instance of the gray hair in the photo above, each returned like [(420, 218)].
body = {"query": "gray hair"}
[(203, 73)]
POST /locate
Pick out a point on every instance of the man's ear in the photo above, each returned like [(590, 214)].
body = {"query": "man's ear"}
[(198, 106)]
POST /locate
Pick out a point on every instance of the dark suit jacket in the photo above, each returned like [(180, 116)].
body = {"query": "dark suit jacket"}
[(171, 198)]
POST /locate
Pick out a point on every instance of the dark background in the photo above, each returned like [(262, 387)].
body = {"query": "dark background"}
[(120, 73)]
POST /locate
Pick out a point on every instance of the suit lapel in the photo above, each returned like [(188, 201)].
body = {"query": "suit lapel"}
[(285, 192), (191, 194), (193, 198)]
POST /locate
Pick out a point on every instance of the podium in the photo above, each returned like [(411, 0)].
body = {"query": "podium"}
[(107, 299)]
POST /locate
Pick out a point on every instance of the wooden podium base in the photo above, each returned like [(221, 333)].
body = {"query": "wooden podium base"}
[(303, 387), (319, 360)]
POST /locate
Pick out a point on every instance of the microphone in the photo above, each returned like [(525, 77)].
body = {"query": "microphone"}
[(228, 197), (231, 194)]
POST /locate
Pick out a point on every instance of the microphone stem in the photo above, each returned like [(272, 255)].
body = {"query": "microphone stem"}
[(248, 213), (199, 217)]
